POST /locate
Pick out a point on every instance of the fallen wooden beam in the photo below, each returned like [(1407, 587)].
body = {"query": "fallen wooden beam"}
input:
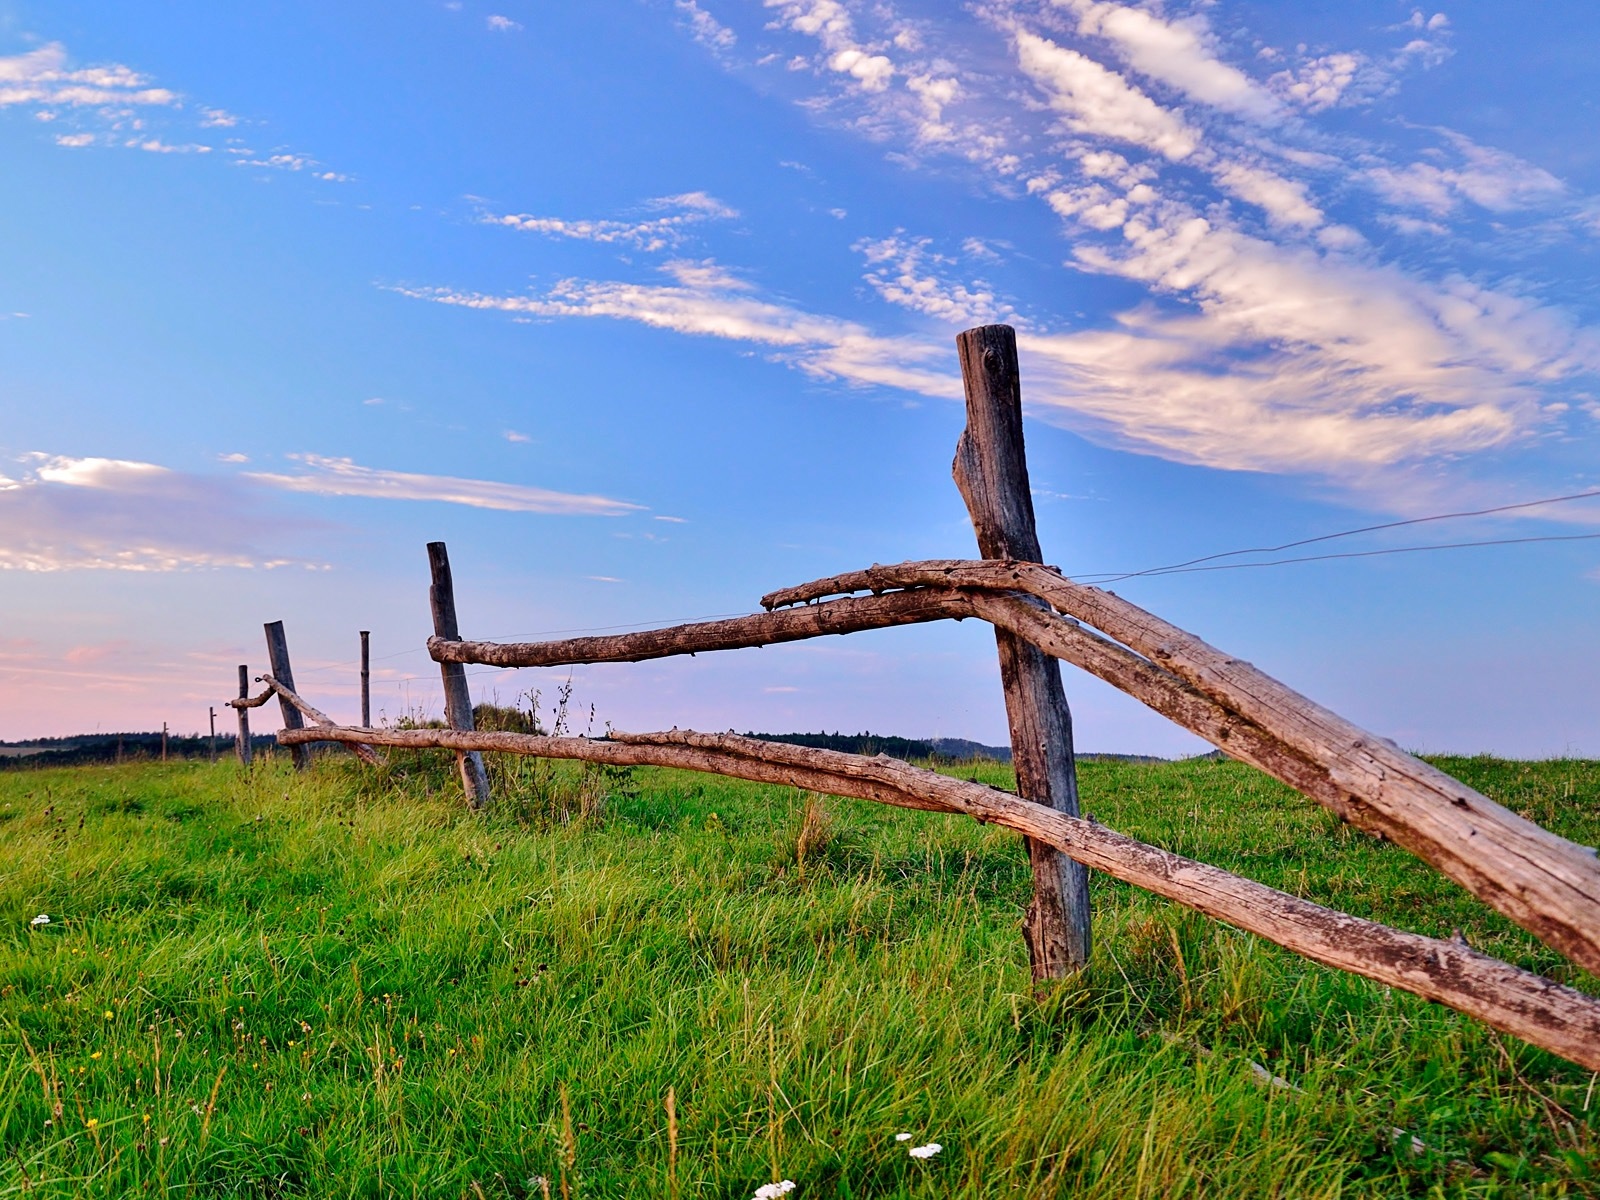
[(1546, 884), (1546, 1014)]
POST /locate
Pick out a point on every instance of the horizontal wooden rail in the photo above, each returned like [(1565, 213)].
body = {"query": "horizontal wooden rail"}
[(1546, 884), (319, 719), (1546, 1014), (850, 615)]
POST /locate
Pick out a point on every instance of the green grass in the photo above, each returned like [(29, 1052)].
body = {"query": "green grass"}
[(341, 984)]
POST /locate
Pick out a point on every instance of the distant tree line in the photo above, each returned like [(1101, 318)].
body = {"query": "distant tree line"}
[(87, 749)]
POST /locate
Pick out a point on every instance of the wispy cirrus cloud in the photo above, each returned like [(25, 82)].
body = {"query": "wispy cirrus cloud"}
[(705, 28), (326, 476), (679, 213), (705, 300)]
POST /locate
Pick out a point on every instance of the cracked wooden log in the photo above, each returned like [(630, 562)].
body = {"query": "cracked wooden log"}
[(1546, 1014), (991, 473), (320, 719), (1546, 884)]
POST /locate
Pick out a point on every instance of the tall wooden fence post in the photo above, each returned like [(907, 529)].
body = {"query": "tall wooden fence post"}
[(366, 679), (278, 657), (991, 472), (244, 717), (457, 699)]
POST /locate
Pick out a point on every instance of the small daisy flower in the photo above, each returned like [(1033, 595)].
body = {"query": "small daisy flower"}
[(927, 1151), (41, 919), (771, 1191), (902, 1137)]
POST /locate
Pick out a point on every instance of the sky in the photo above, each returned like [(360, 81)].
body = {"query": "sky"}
[(647, 307)]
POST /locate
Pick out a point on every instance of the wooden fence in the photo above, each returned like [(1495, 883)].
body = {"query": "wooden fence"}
[(1547, 885)]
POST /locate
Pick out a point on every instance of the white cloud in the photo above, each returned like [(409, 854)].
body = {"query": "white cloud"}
[(1319, 83), (830, 23), (41, 77), (75, 140), (217, 118), (511, 435), (502, 24), (157, 146), (656, 233), (1493, 179), (1179, 53), (112, 514), (342, 477), (904, 271), (706, 301), (1094, 100), (1284, 201), (705, 28)]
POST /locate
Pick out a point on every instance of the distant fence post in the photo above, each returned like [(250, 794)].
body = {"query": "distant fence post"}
[(457, 699), (278, 657), (991, 471), (211, 745), (244, 717), (366, 679), (163, 741)]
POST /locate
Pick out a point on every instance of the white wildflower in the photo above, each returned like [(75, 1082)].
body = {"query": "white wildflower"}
[(902, 1137), (41, 919), (771, 1191), (927, 1151)]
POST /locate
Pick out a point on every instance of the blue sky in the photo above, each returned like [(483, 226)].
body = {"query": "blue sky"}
[(646, 307)]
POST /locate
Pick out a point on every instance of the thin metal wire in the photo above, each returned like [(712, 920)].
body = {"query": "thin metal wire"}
[(1182, 567)]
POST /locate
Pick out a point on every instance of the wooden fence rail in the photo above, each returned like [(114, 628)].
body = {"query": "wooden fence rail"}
[(1560, 1019), (1546, 884)]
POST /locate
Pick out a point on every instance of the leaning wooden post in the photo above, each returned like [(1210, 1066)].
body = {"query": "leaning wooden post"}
[(244, 717), (366, 679), (457, 699), (991, 471), (278, 657)]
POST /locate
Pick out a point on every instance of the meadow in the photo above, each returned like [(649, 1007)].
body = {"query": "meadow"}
[(341, 983)]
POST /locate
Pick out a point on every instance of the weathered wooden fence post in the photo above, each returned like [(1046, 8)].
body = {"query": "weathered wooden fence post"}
[(457, 699), (244, 717), (991, 471), (366, 679), (278, 657)]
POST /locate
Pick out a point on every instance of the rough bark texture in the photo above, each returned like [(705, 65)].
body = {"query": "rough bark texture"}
[(245, 750), (1546, 1014), (849, 615), (457, 699), (991, 472), (278, 658), (1546, 884), (318, 718)]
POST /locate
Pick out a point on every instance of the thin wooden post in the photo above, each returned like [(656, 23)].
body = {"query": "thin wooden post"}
[(211, 746), (244, 717), (457, 699), (991, 471), (366, 679), (278, 657)]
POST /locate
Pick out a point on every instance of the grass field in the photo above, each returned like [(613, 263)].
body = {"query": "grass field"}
[(341, 984)]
